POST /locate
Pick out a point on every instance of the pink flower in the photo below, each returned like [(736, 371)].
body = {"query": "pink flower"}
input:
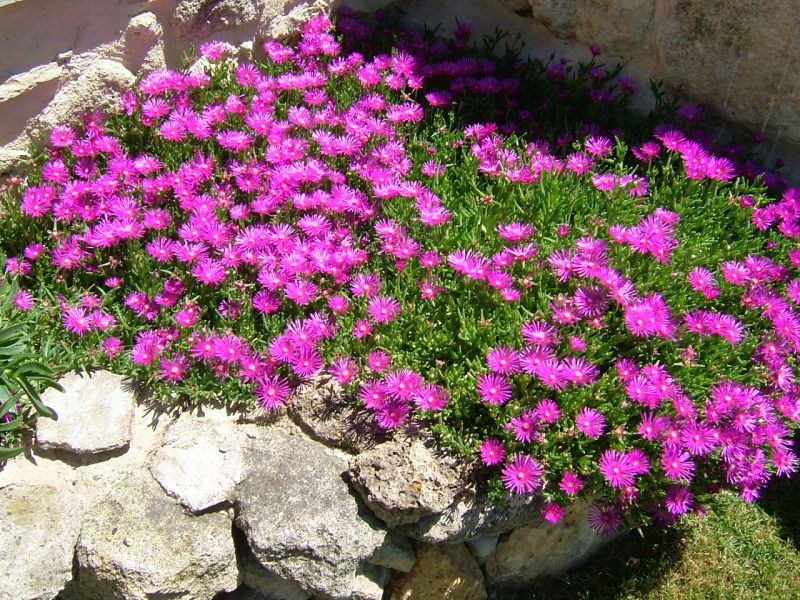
[(430, 397), (272, 392), (493, 389), (570, 483), (492, 451), (174, 368), (523, 474), (552, 512), (616, 468), (383, 309), (590, 422)]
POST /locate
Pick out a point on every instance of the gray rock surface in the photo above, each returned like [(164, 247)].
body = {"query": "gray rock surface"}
[(442, 572), (138, 544), (39, 525), (396, 553), (321, 411), (404, 480), (95, 414), (300, 518), (541, 548), (201, 461), (473, 516)]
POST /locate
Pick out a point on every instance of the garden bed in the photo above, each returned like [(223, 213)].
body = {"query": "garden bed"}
[(486, 258)]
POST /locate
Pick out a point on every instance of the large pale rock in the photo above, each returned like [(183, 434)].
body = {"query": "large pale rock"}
[(301, 520), (442, 572), (201, 461), (322, 412), (541, 548), (199, 19), (138, 544), (25, 82), (95, 414), (473, 516), (39, 525), (405, 479), (396, 553)]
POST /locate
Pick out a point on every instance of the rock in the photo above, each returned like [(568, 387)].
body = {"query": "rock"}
[(39, 525), (474, 516), (529, 552), (201, 460), (95, 414), (396, 553), (321, 411), (25, 82), (442, 572), (199, 19), (482, 547), (138, 544), (142, 46), (404, 480), (299, 516)]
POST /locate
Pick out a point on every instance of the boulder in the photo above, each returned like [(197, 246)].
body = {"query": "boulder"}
[(473, 515), (405, 479), (301, 520), (529, 552), (201, 461), (95, 414), (39, 525), (137, 543), (396, 553), (322, 412), (442, 572)]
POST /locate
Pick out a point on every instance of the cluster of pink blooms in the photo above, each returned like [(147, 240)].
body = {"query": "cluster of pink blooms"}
[(293, 219)]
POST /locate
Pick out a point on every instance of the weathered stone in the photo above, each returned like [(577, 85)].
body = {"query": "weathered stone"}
[(396, 553), (199, 19), (404, 480), (301, 520), (473, 516), (201, 460), (482, 547), (138, 544), (442, 572), (321, 411), (39, 525), (542, 548), (95, 414), (25, 82)]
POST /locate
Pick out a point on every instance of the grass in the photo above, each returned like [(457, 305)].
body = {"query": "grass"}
[(737, 550)]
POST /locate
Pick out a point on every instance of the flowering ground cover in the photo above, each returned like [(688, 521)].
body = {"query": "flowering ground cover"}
[(592, 303)]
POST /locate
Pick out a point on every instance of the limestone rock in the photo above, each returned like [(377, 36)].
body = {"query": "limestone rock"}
[(300, 518), (199, 19), (472, 516), (442, 572), (95, 414), (404, 480), (541, 548), (138, 544), (39, 525), (482, 547), (396, 553), (25, 82), (321, 411), (201, 460)]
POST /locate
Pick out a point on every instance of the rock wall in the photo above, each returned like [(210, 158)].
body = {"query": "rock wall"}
[(152, 505), (57, 58)]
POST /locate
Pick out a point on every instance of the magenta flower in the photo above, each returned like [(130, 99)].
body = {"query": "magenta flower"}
[(522, 475), (503, 360), (590, 422), (392, 414), (174, 368), (492, 451), (616, 468), (677, 465), (547, 411), (570, 483), (306, 362), (552, 512), (430, 397), (678, 500), (493, 389), (272, 392), (383, 309), (77, 320), (604, 519)]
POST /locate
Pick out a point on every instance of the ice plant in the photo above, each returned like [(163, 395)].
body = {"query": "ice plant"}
[(591, 306)]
